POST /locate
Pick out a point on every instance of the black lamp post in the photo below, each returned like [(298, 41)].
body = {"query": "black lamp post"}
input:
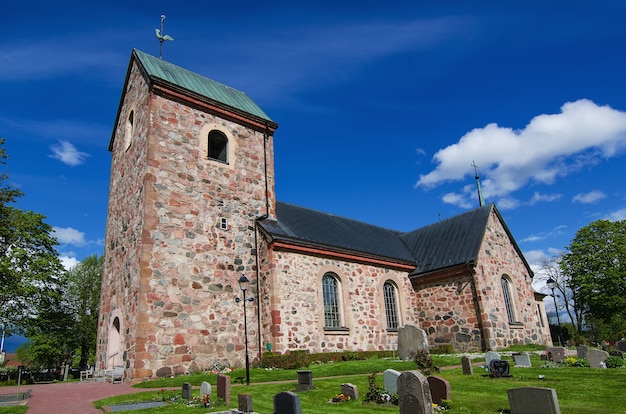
[(244, 284), (551, 283)]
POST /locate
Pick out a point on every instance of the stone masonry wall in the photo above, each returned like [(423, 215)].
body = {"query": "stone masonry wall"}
[(293, 314), (498, 257), (180, 308), (122, 249), (447, 313)]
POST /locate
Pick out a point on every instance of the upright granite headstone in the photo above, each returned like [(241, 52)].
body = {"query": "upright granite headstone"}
[(414, 394), (390, 380), (186, 391), (556, 354), (533, 400), (439, 389), (287, 402), (223, 387), (245, 403), (350, 390), (596, 357), (490, 356), (305, 380), (522, 360), (581, 351), (205, 389), (466, 363), (411, 340), (621, 345), (498, 368)]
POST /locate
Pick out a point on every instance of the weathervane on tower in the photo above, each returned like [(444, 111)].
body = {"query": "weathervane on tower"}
[(162, 37)]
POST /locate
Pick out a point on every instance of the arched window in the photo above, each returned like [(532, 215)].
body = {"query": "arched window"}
[(218, 146), (391, 305), (330, 293), (508, 299), (129, 129)]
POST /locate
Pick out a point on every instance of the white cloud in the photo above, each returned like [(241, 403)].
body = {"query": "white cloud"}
[(618, 215), (457, 199), (69, 235), (549, 147), (542, 236), (543, 198), (589, 198), (68, 262), (68, 154)]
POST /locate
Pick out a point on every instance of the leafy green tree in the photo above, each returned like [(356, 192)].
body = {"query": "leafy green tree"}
[(82, 294), (29, 263), (596, 268)]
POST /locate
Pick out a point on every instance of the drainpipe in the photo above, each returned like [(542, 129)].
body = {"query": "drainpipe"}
[(481, 327), (256, 244)]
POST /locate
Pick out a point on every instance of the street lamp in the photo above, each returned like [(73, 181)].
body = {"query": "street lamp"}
[(551, 283), (244, 284), (4, 322)]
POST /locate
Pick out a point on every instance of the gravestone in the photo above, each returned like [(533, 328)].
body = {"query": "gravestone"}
[(596, 357), (223, 387), (617, 354), (245, 403), (439, 389), (186, 392), (205, 389), (522, 360), (466, 363), (581, 351), (305, 380), (533, 400), (390, 381), (414, 394), (621, 345), (350, 390), (490, 356), (411, 340), (287, 403), (498, 368), (556, 354)]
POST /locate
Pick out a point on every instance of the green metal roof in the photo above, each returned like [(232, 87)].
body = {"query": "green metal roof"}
[(198, 84)]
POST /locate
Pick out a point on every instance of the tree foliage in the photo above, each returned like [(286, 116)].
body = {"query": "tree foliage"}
[(29, 263), (82, 294), (596, 268)]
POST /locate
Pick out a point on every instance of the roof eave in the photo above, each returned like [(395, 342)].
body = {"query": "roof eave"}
[(292, 244)]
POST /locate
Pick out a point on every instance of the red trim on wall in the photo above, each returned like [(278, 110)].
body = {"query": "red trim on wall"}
[(339, 255)]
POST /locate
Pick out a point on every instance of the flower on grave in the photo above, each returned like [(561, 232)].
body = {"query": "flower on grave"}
[(206, 400), (340, 398)]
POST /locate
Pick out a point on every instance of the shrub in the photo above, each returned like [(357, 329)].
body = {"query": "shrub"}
[(378, 395), (424, 362), (443, 349), (289, 361), (614, 362)]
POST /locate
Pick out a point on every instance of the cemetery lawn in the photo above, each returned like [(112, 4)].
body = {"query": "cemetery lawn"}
[(579, 390)]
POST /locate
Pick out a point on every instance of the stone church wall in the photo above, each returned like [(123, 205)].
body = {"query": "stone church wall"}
[(123, 242), (292, 290), (497, 258), (180, 310)]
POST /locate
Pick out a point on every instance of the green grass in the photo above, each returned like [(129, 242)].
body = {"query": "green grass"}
[(258, 375), (13, 409), (579, 390)]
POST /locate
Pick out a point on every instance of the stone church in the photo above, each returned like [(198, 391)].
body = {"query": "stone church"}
[(192, 208)]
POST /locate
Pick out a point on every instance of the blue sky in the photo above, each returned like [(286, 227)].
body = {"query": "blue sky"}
[(382, 109)]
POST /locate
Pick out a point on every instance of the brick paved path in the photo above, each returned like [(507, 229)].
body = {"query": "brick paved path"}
[(69, 397)]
